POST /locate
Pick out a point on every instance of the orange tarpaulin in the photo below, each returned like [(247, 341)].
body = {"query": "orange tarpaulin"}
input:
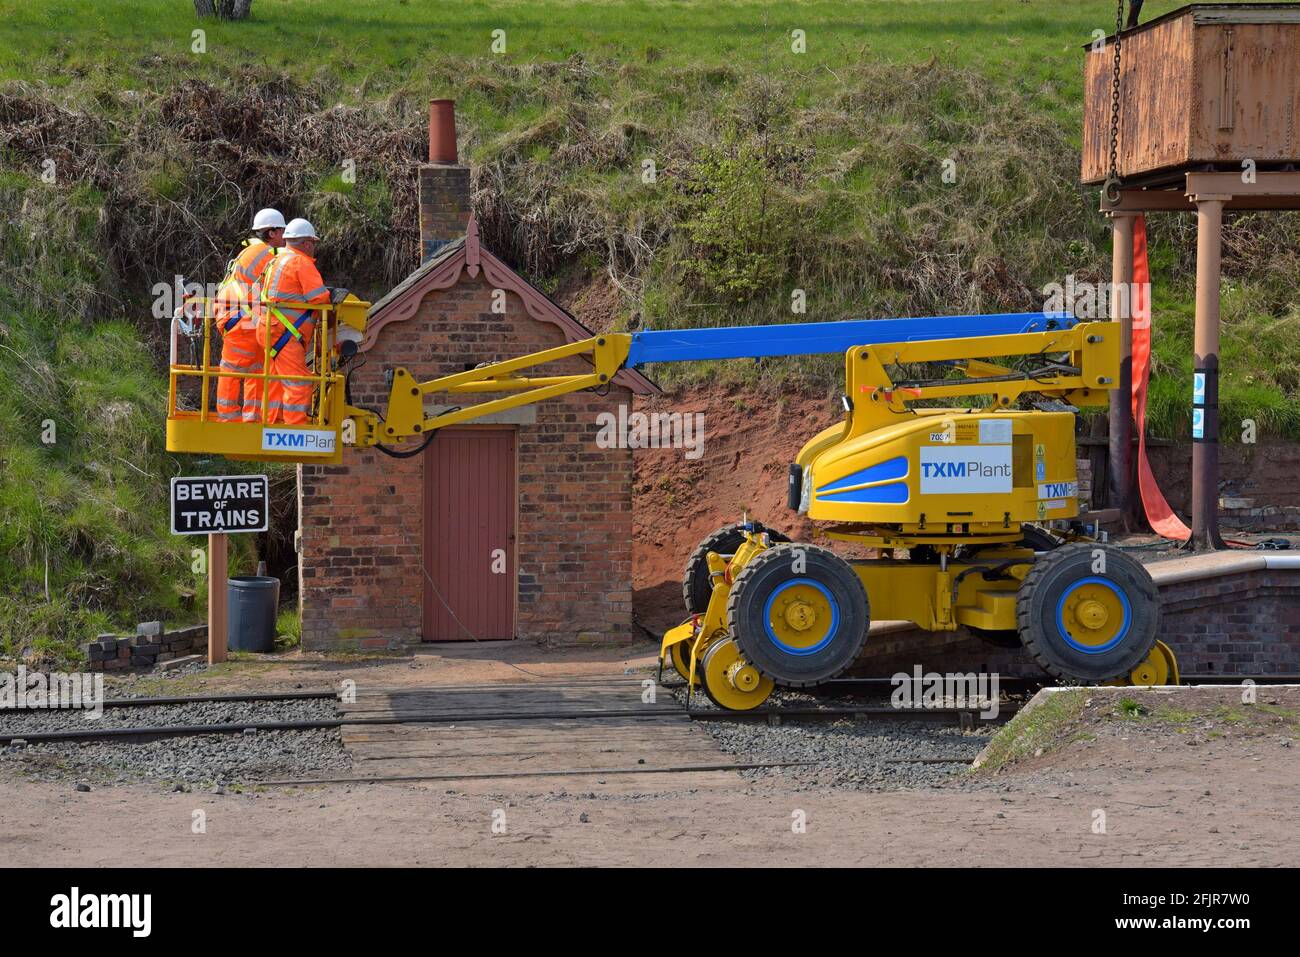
[(1160, 516)]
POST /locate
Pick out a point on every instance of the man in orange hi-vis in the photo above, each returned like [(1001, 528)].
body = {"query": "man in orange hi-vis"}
[(292, 283), (235, 320)]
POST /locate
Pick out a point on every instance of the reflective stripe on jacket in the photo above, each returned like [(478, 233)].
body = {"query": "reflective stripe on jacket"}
[(235, 297), (294, 280)]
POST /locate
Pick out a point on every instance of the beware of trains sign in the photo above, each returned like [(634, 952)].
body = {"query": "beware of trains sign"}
[(219, 503)]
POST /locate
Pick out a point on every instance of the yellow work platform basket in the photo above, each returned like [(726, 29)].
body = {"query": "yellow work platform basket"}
[(192, 423)]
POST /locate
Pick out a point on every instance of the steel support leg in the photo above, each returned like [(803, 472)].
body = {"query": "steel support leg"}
[(1205, 401)]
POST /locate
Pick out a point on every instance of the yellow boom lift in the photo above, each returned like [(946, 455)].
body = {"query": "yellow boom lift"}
[(973, 512)]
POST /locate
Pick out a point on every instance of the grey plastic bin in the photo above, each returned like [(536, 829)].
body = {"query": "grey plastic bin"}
[(251, 605)]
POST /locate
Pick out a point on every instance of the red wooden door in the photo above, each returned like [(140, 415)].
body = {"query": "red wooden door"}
[(469, 535)]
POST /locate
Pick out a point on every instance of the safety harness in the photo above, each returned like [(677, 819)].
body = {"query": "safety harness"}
[(248, 277), (293, 328)]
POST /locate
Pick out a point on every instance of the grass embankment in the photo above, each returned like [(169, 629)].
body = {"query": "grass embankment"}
[(1061, 718), (1034, 731), (774, 172)]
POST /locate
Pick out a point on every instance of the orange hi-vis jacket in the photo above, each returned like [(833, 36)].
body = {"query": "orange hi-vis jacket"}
[(234, 305), (293, 278), (239, 396), (291, 282)]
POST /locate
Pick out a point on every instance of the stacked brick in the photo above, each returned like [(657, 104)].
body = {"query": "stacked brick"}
[(150, 645), (1083, 469), (444, 207)]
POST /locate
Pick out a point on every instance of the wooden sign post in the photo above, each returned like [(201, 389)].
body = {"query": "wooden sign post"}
[(217, 598)]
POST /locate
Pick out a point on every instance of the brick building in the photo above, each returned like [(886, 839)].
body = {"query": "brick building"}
[(518, 525)]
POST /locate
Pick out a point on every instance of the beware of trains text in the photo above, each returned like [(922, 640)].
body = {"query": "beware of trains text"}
[(220, 503)]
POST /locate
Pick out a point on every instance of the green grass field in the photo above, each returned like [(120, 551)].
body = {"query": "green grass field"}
[(776, 171), (390, 44)]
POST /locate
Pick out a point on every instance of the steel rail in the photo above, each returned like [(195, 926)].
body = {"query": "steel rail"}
[(188, 699), (564, 773)]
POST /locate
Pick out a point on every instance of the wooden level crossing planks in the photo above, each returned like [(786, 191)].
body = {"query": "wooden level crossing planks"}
[(531, 697), (454, 732)]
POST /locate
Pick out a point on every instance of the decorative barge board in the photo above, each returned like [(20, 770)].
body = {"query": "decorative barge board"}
[(1205, 86)]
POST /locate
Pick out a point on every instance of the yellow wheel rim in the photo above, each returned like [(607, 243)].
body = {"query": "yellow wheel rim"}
[(800, 616), (730, 680), (1093, 615), (1158, 668), (680, 654)]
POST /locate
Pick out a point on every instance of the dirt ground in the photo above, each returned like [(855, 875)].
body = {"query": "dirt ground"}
[(1190, 777)]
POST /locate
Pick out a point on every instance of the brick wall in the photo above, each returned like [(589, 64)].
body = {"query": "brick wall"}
[(360, 554), (1243, 623), (1235, 622), (444, 206)]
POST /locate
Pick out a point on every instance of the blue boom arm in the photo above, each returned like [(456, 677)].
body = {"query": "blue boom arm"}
[(817, 338), (405, 414)]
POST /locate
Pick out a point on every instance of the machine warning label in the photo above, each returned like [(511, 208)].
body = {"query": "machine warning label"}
[(1058, 490), (954, 470), (995, 431), (219, 503), (301, 441), (981, 431)]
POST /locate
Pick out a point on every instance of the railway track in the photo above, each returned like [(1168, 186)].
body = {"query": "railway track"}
[(771, 715), (967, 716)]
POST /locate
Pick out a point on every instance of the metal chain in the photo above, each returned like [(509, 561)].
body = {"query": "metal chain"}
[(1114, 93), (1110, 190)]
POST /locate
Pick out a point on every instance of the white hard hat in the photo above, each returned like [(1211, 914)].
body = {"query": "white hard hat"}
[(300, 229), (268, 219)]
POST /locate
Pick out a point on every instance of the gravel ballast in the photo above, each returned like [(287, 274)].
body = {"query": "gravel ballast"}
[(191, 760), (859, 754)]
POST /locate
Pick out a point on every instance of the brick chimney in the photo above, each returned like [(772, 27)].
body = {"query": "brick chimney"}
[(444, 184)]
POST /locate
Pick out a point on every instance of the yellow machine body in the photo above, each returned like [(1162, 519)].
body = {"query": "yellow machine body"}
[(894, 473), (947, 474)]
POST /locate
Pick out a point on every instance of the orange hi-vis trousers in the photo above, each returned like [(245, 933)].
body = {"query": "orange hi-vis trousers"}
[(240, 398), (289, 402)]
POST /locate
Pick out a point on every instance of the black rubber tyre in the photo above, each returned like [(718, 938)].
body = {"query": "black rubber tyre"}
[(1042, 628), (696, 587), (1040, 540), (768, 574)]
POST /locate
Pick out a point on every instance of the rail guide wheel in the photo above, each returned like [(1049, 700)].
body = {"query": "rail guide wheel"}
[(680, 655), (1088, 612), (732, 682), (1158, 668)]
